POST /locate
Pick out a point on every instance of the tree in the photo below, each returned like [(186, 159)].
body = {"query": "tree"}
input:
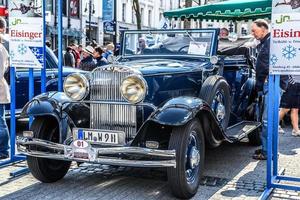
[(187, 23), (136, 8)]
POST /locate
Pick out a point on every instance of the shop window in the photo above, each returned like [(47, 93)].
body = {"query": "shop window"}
[(142, 16), (124, 12), (150, 18)]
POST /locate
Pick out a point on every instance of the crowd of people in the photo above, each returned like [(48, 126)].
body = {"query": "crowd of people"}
[(88, 58)]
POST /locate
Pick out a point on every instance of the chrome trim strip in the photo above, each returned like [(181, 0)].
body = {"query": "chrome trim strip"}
[(106, 161), (169, 156)]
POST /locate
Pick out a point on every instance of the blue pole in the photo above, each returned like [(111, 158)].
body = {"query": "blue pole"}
[(31, 89), (12, 113), (59, 8), (275, 128), (270, 129), (43, 71)]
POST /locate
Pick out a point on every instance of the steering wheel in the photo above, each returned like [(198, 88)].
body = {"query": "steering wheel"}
[(184, 47)]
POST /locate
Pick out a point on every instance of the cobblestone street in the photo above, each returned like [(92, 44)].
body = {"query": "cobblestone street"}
[(230, 173)]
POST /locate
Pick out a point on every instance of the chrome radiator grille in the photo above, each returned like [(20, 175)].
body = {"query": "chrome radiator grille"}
[(105, 86)]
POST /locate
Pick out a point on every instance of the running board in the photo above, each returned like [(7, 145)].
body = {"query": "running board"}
[(241, 130)]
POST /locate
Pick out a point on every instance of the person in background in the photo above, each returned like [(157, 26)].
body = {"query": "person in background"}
[(290, 100), (87, 63), (69, 59), (117, 50), (142, 45), (260, 30), (4, 95), (75, 53), (94, 44), (224, 33), (99, 59), (109, 51), (79, 49)]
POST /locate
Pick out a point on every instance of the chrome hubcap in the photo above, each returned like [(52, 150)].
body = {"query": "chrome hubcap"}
[(220, 112), (218, 106), (194, 157)]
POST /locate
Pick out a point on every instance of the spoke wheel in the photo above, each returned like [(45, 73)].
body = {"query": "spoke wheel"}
[(188, 141), (215, 91)]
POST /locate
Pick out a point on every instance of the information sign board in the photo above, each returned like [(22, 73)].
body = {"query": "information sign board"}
[(285, 38), (26, 33)]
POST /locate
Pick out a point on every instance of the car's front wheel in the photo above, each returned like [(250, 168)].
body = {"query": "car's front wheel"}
[(43, 169), (188, 141)]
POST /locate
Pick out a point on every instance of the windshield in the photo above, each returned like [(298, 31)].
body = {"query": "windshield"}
[(183, 42)]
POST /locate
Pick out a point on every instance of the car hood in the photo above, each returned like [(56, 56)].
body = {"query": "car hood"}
[(165, 66)]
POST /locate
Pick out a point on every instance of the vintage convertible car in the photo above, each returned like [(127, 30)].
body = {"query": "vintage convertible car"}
[(158, 106)]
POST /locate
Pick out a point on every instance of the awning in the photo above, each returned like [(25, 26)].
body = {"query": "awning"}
[(235, 10)]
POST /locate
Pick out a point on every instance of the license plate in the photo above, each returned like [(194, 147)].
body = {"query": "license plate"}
[(99, 136)]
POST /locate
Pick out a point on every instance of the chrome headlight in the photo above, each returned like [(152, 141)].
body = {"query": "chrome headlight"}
[(76, 86), (134, 88)]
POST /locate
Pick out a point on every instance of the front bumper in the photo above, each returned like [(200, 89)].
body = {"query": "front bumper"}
[(107, 156)]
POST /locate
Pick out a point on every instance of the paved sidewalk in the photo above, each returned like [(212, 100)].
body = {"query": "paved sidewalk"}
[(230, 173)]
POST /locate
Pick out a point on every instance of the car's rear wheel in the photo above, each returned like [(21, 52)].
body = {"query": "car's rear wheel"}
[(47, 170), (188, 141), (215, 91)]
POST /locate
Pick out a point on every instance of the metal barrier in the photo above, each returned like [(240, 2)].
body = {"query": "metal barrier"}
[(273, 175)]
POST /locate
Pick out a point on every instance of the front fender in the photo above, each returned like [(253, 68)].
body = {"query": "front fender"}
[(179, 111), (59, 106)]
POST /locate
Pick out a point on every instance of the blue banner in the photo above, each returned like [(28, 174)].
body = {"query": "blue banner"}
[(107, 12)]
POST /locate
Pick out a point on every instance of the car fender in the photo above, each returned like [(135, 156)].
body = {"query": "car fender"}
[(59, 106), (179, 111)]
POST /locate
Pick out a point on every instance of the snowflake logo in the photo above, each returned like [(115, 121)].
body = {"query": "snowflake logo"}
[(36, 52), (289, 52), (273, 59), (22, 49)]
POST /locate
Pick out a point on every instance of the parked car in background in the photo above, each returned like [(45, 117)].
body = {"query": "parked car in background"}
[(159, 108), (22, 80)]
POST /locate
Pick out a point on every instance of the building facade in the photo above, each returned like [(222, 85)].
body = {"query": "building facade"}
[(151, 15), (72, 31)]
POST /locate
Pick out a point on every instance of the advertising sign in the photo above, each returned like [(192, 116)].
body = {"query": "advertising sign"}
[(26, 33), (285, 37), (107, 12), (74, 8), (109, 27)]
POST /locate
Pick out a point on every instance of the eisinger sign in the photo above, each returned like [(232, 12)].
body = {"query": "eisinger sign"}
[(26, 33), (285, 39)]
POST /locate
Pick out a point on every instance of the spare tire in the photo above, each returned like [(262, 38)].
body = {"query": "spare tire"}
[(216, 92)]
